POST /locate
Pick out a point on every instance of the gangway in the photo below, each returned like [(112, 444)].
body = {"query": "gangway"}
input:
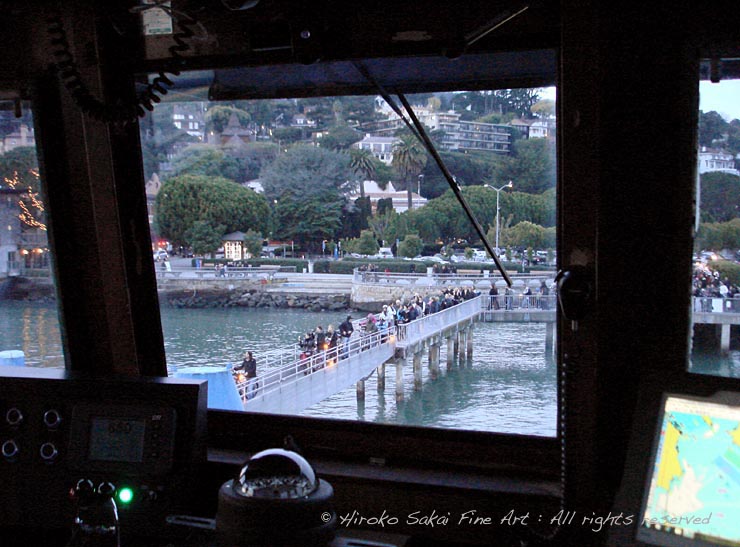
[(411, 335), (309, 380), (294, 383)]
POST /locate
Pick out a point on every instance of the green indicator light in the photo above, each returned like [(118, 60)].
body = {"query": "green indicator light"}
[(125, 495)]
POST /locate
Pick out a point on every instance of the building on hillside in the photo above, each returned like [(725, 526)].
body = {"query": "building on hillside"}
[(711, 159), (234, 135), (534, 128), (190, 118), (380, 147), (456, 134), (254, 184), (300, 120), (399, 197), (21, 136)]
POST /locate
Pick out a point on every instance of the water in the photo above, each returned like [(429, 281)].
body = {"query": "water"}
[(509, 386)]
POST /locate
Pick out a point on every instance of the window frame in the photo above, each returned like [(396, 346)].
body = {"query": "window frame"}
[(533, 456)]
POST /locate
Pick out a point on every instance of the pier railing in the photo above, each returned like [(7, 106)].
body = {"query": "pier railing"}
[(507, 302), (437, 322), (292, 364), (716, 304)]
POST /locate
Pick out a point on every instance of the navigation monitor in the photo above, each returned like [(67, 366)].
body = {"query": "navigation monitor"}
[(692, 495)]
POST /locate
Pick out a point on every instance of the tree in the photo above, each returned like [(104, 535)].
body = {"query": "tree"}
[(379, 224), (340, 137), (544, 108), (309, 220), (719, 235), (366, 244), (720, 196), (305, 171), (287, 135), (207, 160), (523, 234), (532, 166), (218, 116), (384, 205), (409, 159), (712, 126), (182, 201), (411, 246), (159, 138), (362, 163), (470, 169), (253, 242), (21, 163), (204, 237)]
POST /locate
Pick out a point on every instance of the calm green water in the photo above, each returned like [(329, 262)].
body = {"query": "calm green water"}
[(508, 386)]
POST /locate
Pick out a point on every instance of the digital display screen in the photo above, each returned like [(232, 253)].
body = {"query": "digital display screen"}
[(116, 439), (693, 490)]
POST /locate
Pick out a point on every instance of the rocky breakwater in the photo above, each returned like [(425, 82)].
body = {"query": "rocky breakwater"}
[(256, 297)]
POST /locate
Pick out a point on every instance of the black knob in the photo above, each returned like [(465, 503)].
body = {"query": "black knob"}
[(48, 452), (10, 449), (52, 418), (14, 416)]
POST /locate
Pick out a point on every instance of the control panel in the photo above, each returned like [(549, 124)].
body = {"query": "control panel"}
[(140, 441)]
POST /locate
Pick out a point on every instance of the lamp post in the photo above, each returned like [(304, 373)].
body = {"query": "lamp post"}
[(498, 193)]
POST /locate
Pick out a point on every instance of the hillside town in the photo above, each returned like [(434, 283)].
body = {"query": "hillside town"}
[(375, 177)]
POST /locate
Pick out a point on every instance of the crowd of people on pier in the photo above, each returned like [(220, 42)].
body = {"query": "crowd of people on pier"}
[(508, 300), (708, 284)]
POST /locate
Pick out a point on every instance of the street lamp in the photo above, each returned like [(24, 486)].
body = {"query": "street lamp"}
[(498, 193), (418, 185)]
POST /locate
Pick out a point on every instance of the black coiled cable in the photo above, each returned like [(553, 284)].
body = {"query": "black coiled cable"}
[(69, 74)]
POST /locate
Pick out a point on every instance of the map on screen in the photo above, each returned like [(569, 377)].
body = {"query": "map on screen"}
[(693, 488)]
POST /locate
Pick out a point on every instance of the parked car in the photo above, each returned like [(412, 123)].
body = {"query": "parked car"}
[(160, 255)]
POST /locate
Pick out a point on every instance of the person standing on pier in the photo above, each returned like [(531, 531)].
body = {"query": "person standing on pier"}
[(345, 331), (249, 367)]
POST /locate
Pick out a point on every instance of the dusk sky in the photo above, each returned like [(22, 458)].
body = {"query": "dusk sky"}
[(723, 98)]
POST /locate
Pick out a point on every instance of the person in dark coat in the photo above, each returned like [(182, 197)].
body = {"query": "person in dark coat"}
[(249, 365), (345, 331)]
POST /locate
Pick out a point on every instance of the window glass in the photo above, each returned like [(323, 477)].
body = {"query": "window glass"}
[(274, 220), (716, 281), (29, 319)]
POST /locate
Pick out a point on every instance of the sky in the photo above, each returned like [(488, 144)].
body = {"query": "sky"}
[(723, 98)]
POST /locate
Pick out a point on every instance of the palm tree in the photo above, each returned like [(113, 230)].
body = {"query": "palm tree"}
[(362, 163), (409, 159)]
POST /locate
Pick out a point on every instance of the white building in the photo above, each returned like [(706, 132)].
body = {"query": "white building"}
[(399, 197), (380, 147), (716, 160), (22, 136), (457, 134)]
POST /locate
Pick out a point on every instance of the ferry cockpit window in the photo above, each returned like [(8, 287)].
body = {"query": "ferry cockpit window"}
[(312, 258), (716, 261), (29, 318)]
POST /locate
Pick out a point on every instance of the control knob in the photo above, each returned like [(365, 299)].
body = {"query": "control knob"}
[(9, 449), (52, 418), (14, 416), (48, 452)]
